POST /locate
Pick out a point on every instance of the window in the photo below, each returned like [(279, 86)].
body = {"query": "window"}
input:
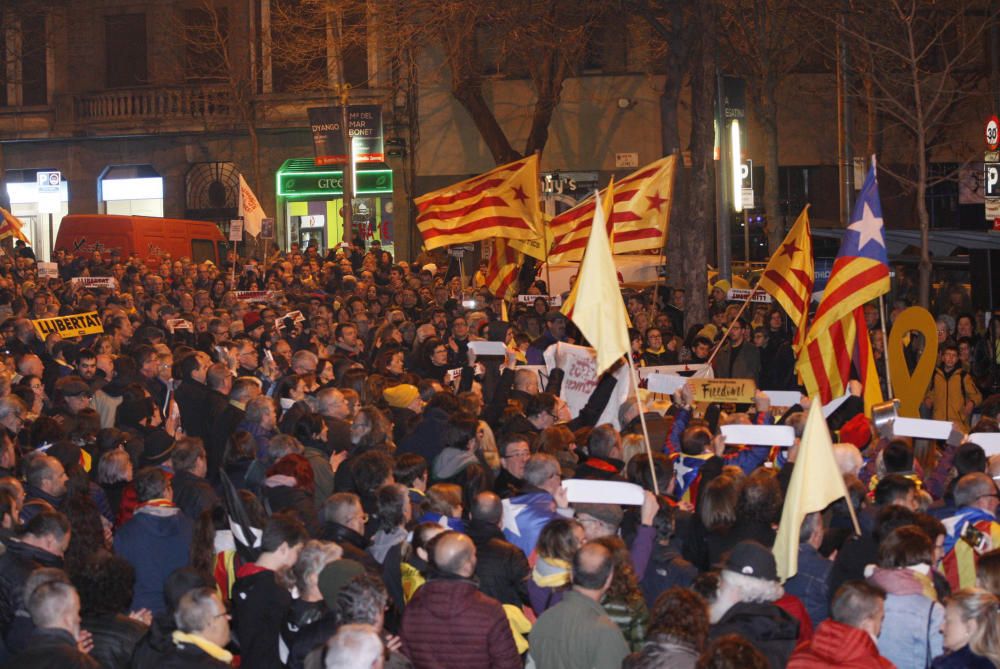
[(202, 250), (34, 77), (206, 38), (125, 50)]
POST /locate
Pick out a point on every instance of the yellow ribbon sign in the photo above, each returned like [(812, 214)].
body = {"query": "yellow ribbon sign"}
[(76, 325), (738, 391), (910, 389)]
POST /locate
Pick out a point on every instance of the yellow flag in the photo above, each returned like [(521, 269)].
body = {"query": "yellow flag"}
[(595, 303), (816, 483)]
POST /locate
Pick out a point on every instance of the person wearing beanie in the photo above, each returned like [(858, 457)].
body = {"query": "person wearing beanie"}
[(406, 407)]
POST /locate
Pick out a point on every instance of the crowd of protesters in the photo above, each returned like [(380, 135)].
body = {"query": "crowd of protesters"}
[(321, 473)]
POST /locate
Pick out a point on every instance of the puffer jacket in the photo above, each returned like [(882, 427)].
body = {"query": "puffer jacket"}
[(911, 631), (449, 624), (838, 645), (115, 637)]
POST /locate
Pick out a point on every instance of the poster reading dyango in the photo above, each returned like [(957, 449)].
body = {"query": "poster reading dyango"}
[(364, 125)]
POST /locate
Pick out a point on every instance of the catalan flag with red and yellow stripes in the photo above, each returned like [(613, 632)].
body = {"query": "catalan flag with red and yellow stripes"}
[(860, 273), (789, 276), (638, 221), (11, 226), (500, 203), (501, 272)]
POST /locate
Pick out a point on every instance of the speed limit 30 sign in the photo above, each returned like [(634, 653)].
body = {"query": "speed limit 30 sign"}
[(993, 133)]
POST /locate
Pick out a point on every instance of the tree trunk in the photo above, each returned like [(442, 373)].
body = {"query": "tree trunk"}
[(701, 187), (548, 85), (671, 140), (772, 180)]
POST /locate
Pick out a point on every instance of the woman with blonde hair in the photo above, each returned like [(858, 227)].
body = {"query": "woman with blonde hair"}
[(632, 445), (486, 444), (971, 630)]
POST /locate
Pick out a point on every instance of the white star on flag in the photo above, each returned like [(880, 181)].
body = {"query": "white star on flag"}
[(869, 228), (510, 513)]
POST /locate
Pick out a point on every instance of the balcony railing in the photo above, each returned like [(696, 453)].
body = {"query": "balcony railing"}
[(178, 103)]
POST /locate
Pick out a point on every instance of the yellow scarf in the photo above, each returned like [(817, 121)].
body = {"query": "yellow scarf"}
[(213, 650), (546, 578)]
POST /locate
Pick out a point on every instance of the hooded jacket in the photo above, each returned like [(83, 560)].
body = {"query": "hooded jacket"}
[(156, 541), (838, 645), (449, 624)]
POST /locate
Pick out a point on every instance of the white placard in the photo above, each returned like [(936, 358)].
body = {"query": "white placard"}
[(759, 435), (701, 371), (603, 492), (94, 282), (488, 348), (741, 294), (665, 384), (989, 441), (921, 428), (783, 398), (553, 300), (453, 377), (580, 365), (834, 404), (236, 230), (48, 270)]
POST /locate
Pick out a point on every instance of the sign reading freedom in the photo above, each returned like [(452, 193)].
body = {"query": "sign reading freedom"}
[(739, 391), (69, 326)]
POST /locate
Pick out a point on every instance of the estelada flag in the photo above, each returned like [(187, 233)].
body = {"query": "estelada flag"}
[(789, 276), (860, 273), (500, 203), (11, 226), (638, 221)]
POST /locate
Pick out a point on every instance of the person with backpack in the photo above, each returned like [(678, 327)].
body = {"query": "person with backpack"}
[(953, 393)]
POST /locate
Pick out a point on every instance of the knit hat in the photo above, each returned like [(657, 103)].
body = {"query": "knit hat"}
[(609, 514), (708, 332), (722, 285), (430, 267), (401, 396), (753, 559), (335, 576), (251, 319), (157, 446)]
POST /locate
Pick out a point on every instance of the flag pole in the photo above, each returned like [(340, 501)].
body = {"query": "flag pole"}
[(885, 346), (725, 336), (642, 421)]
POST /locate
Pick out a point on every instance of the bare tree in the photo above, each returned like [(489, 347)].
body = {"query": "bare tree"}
[(210, 53), (764, 41), (477, 41), (920, 64)]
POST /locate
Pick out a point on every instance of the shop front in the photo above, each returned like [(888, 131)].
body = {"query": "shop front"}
[(310, 203)]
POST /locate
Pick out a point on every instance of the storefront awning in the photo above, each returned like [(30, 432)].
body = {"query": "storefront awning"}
[(300, 178)]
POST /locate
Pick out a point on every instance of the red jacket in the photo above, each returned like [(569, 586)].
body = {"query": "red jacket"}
[(837, 645), (449, 624)]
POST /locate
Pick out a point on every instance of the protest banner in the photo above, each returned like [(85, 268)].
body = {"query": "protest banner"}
[(76, 325), (580, 366), (94, 282), (553, 300), (698, 370), (48, 270), (739, 391), (741, 295), (255, 295)]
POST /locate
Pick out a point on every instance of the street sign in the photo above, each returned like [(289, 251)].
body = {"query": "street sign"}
[(48, 182), (746, 184), (993, 133), (364, 126), (992, 179)]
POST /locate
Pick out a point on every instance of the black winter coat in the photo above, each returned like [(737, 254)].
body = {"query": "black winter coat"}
[(51, 649), (15, 565), (501, 567), (193, 494), (259, 609), (156, 644), (192, 400), (772, 630), (115, 638), (188, 656)]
